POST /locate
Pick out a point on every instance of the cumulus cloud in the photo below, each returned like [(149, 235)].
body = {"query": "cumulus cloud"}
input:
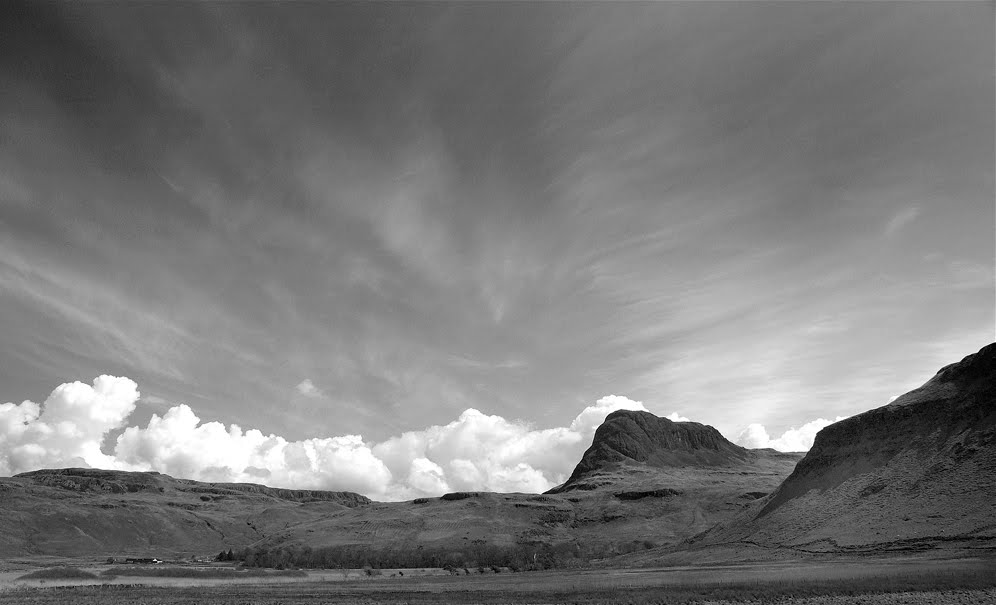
[(793, 440), (66, 429), (487, 452), (593, 415), (476, 451), (308, 388), (178, 444)]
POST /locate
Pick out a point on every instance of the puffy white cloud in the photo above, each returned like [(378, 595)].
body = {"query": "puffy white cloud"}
[(178, 444), (593, 415), (67, 429), (484, 452), (427, 477), (754, 436), (308, 388), (675, 417), (476, 451), (793, 440)]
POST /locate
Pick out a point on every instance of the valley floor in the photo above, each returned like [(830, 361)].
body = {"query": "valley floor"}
[(151, 596), (831, 582)]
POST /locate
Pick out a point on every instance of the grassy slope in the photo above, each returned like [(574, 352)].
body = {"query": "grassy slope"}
[(156, 515), (594, 517), (919, 473)]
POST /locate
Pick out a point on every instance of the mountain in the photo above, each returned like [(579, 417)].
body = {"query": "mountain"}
[(645, 482), (918, 473), (629, 438)]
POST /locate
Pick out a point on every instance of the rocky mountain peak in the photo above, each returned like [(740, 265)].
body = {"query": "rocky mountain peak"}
[(637, 437)]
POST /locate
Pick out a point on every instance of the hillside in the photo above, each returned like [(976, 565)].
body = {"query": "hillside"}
[(654, 491), (645, 481), (73, 512), (918, 473)]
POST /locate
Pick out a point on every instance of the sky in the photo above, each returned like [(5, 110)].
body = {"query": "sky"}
[(407, 248)]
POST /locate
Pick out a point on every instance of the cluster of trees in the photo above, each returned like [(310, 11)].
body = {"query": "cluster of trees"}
[(477, 555), (226, 556)]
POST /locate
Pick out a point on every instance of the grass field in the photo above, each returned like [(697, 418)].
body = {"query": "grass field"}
[(211, 573), (884, 582), (59, 573)]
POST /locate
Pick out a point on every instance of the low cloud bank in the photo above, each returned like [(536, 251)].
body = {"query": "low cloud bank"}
[(793, 440), (476, 451)]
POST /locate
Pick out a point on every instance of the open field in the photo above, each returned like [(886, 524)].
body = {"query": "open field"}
[(881, 581)]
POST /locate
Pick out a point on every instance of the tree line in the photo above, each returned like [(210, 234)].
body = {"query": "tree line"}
[(476, 555)]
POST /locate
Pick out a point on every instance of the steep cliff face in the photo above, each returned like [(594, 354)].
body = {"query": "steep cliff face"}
[(915, 473), (97, 480)]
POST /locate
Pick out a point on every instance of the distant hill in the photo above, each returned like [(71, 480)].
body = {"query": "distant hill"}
[(645, 482), (918, 473), (78, 511)]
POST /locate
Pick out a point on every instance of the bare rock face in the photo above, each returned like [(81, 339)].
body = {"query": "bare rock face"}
[(96, 480), (917, 473), (628, 436)]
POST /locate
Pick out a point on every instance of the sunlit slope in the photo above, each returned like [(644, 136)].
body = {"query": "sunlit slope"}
[(919, 473)]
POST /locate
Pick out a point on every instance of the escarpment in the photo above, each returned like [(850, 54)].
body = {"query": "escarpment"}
[(953, 416), (917, 473)]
